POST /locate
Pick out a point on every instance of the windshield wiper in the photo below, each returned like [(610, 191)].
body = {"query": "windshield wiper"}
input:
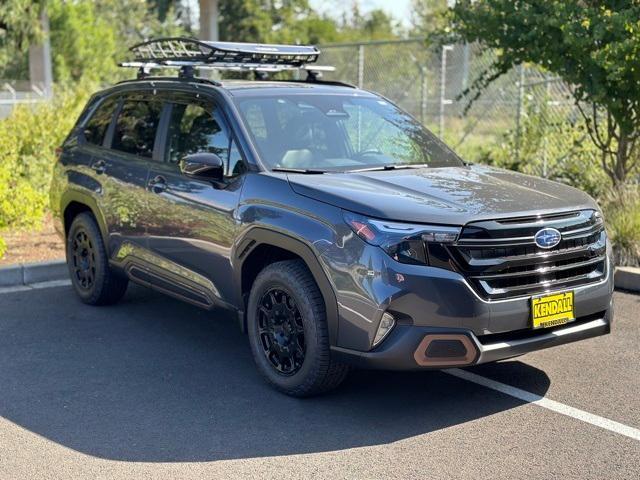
[(307, 171), (391, 166)]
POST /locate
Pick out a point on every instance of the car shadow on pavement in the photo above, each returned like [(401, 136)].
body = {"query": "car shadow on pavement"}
[(155, 380)]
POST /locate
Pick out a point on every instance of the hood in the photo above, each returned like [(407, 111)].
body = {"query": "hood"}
[(446, 196)]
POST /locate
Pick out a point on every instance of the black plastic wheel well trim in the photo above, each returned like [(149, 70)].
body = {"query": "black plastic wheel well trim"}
[(262, 236), (74, 196)]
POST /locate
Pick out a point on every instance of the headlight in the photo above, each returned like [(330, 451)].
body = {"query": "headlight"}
[(404, 242)]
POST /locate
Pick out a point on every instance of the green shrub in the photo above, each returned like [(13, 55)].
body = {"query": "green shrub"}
[(28, 139), (556, 148), (622, 214), (571, 158)]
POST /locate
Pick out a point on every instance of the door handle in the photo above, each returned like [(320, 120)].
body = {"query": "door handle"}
[(99, 167), (158, 184)]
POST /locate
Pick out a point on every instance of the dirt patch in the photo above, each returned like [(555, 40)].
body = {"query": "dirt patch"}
[(33, 245)]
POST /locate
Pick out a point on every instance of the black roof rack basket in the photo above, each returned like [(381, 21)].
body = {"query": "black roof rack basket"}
[(178, 51)]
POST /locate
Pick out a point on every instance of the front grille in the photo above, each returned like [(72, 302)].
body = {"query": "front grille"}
[(501, 259)]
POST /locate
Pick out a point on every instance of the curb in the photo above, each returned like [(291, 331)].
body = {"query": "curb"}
[(30, 273), (626, 278)]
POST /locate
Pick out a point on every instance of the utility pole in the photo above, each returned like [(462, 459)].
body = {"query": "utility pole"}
[(209, 20), (40, 70)]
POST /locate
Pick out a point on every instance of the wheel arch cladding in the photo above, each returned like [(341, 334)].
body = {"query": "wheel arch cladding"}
[(261, 247), (74, 203)]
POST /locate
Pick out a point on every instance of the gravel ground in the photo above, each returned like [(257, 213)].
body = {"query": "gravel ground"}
[(36, 245), (153, 388)]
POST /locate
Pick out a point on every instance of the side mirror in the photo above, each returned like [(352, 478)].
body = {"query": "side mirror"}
[(203, 166)]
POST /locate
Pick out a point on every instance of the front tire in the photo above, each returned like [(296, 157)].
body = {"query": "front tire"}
[(288, 331), (94, 281)]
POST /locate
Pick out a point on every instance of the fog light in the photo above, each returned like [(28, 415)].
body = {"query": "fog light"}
[(386, 325)]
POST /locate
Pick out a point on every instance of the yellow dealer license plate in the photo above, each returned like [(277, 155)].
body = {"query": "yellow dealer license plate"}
[(552, 310)]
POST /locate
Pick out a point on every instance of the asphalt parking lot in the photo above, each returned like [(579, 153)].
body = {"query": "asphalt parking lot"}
[(154, 388)]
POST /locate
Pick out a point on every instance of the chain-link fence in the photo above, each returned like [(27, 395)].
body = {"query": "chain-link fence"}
[(16, 92), (430, 84)]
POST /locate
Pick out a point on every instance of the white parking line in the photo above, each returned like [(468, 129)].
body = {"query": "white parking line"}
[(543, 402)]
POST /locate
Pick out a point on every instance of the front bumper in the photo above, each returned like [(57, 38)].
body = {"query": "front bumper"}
[(406, 347), (429, 300)]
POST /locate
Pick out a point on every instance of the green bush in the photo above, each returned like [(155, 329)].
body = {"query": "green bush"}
[(571, 158), (622, 214), (559, 146), (28, 139)]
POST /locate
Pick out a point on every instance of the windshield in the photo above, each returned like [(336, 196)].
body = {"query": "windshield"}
[(338, 133)]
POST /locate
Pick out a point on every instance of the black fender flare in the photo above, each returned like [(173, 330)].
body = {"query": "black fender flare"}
[(262, 236), (71, 196)]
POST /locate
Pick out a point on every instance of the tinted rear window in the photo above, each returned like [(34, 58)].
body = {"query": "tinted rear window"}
[(136, 127), (97, 125)]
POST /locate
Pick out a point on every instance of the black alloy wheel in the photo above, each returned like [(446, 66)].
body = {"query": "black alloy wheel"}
[(94, 281), (288, 331), (84, 260), (281, 331)]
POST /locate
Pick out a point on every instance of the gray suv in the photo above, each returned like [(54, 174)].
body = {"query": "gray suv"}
[(339, 230)]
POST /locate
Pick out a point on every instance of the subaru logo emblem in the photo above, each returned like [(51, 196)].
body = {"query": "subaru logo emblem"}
[(548, 238)]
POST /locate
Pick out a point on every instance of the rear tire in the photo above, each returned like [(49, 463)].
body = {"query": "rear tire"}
[(288, 331), (94, 281)]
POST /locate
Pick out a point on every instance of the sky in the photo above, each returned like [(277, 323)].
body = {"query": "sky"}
[(399, 9)]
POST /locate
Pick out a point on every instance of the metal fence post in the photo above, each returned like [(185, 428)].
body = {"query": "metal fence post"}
[(545, 164), (443, 87), (465, 66), (519, 110), (423, 94), (360, 66)]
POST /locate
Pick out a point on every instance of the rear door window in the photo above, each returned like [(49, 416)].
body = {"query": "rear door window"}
[(136, 127), (97, 125)]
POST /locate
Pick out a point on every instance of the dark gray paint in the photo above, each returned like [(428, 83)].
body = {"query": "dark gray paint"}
[(448, 196)]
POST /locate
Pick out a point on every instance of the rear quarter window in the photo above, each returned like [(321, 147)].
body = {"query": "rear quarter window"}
[(96, 127)]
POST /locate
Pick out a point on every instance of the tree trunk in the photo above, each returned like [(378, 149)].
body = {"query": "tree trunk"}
[(209, 20), (622, 159)]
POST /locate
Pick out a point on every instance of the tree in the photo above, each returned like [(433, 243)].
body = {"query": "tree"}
[(428, 16), (374, 25), (260, 20), (593, 45), (19, 27)]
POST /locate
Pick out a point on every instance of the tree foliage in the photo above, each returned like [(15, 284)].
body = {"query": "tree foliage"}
[(428, 17), (90, 37), (295, 21), (19, 27), (28, 138), (594, 45)]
